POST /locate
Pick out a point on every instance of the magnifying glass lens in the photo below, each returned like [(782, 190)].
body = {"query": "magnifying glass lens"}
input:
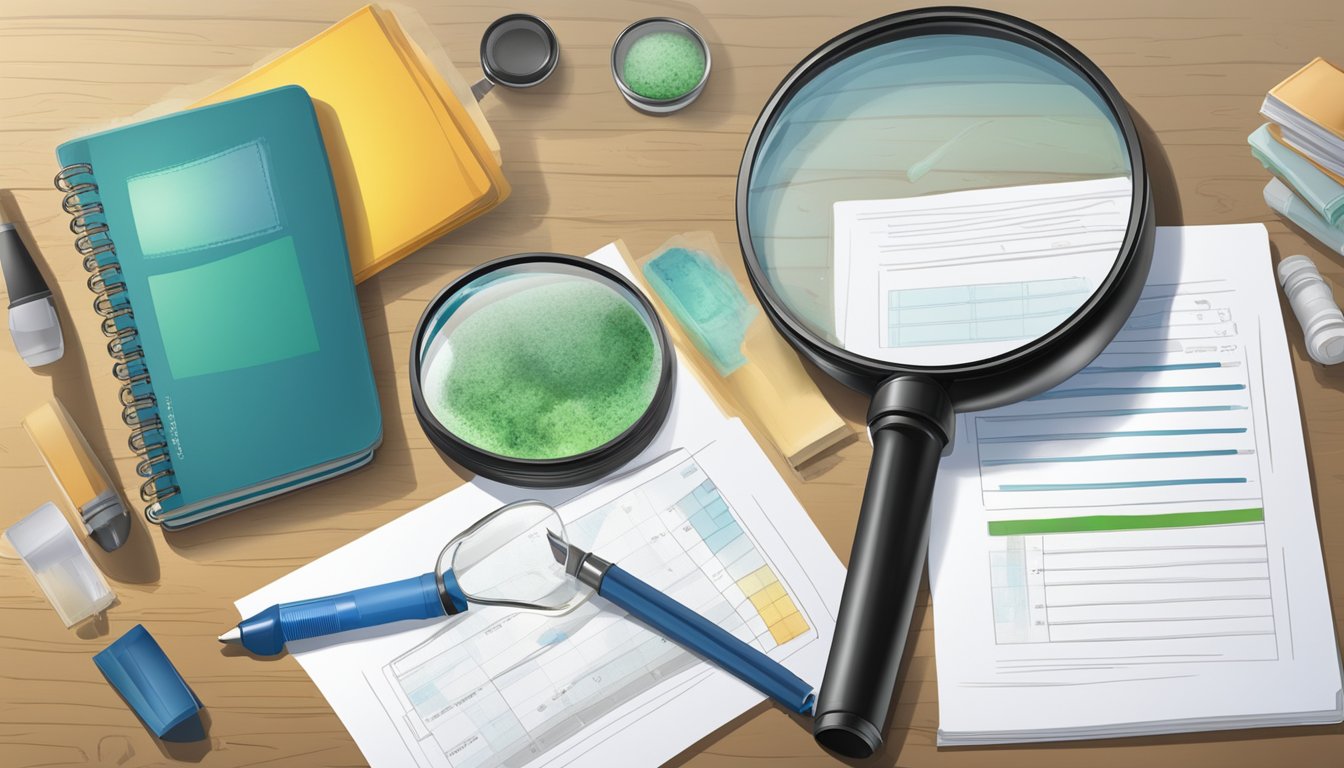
[(541, 370), (978, 189), (506, 559), (540, 361)]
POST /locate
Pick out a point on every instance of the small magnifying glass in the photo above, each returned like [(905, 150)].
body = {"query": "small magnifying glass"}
[(517, 51), (541, 370), (504, 559), (519, 557)]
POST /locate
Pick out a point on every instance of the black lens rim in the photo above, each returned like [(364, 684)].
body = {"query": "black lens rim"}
[(1018, 373), (547, 473), (497, 75)]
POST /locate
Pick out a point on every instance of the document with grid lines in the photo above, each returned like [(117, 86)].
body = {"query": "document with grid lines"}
[(1135, 551)]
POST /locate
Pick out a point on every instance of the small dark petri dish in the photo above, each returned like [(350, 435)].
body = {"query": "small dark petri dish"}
[(519, 50)]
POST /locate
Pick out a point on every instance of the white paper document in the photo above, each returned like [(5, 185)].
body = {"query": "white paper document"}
[(701, 514), (1135, 551), (938, 279)]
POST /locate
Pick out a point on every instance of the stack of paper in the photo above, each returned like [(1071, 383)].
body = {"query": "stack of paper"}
[(1308, 108), (1135, 551), (411, 158), (1303, 146)]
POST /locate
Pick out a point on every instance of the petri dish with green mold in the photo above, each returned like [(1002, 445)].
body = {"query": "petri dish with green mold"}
[(541, 370), (660, 65)]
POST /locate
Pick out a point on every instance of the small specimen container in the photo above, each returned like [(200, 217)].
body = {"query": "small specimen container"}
[(58, 562), (660, 65)]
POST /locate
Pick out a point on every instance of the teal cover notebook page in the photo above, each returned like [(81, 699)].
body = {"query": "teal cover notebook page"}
[(227, 236)]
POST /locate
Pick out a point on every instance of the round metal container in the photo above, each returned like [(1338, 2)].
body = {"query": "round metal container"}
[(633, 33)]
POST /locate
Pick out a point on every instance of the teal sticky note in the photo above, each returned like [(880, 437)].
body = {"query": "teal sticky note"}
[(179, 208), (707, 303), (205, 326)]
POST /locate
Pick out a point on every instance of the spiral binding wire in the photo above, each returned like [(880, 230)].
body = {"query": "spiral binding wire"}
[(139, 406)]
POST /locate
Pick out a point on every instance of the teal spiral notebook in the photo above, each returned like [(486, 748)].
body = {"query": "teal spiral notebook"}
[(214, 244)]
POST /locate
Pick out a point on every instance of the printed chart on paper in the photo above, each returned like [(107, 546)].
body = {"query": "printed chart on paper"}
[(501, 686), (1164, 417)]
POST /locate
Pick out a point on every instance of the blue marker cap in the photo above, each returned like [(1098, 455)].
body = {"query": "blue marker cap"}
[(136, 666)]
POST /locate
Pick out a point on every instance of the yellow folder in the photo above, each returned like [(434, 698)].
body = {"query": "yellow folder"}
[(409, 161)]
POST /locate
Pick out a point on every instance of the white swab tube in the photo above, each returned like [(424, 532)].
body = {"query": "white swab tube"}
[(1315, 307)]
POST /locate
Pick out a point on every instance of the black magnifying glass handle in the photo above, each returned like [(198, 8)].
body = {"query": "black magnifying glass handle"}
[(911, 421)]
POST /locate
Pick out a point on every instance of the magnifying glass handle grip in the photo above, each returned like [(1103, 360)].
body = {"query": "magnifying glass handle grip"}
[(885, 566), (268, 632), (702, 636)]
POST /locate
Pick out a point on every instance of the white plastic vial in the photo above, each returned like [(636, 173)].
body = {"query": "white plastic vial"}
[(1315, 307), (60, 564)]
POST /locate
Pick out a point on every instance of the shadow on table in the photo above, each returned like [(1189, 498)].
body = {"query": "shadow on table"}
[(189, 751), (72, 384), (95, 626), (1166, 194)]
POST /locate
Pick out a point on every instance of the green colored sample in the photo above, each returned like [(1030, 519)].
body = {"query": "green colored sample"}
[(547, 371), (663, 65), (1124, 522)]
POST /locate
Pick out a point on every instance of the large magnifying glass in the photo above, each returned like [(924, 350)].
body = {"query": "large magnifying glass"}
[(946, 209)]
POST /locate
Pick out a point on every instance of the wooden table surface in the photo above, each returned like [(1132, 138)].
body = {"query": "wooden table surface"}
[(585, 169)]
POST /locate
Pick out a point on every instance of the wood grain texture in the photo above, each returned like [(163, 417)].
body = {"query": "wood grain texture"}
[(585, 169)]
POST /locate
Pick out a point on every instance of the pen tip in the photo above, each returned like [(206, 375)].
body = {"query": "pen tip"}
[(232, 637), (559, 550)]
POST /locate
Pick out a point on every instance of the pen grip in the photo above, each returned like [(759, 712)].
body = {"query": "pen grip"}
[(702, 636), (22, 279), (413, 598)]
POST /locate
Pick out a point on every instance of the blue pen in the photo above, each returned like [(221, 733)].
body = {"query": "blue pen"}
[(514, 558), (421, 597), (507, 546), (684, 626)]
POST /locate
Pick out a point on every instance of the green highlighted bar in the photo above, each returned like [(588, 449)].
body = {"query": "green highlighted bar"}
[(1124, 522)]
